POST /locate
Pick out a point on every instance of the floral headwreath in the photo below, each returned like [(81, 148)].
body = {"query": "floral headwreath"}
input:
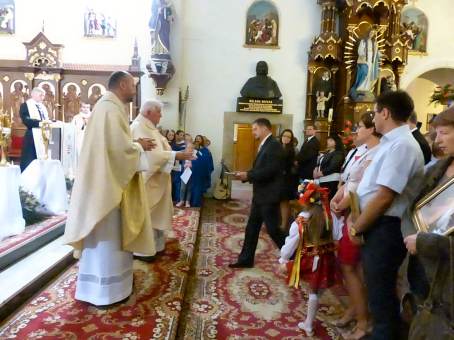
[(310, 193)]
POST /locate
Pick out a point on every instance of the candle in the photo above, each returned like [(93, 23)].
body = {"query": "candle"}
[(130, 112), (330, 115)]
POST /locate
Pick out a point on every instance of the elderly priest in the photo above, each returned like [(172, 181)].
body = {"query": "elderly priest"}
[(160, 162), (108, 217)]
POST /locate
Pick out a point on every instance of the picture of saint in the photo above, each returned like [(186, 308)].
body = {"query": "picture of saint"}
[(7, 16), (262, 25), (414, 27), (99, 24)]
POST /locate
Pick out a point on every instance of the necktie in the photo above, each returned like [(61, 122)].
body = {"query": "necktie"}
[(41, 114)]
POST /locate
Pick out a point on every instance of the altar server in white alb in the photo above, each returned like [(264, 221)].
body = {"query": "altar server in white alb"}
[(157, 179), (108, 218), (33, 113)]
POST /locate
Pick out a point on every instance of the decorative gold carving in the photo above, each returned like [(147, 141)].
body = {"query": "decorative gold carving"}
[(46, 132), (84, 82), (42, 45), (5, 133), (6, 79), (29, 76)]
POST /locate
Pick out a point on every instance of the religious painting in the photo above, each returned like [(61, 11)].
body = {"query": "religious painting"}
[(99, 24), (434, 213), (414, 28), (7, 16), (322, 93), (71, 101), (95, 92), (18, 94), (262, 25), (49, 99)]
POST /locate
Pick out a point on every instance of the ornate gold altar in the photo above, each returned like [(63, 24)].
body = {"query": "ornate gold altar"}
[(359, 53), (66, 85)]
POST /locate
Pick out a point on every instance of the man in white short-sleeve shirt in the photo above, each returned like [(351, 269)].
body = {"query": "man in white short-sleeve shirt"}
[(385, 191)]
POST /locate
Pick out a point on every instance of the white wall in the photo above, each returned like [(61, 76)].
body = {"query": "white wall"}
[(216, 65)]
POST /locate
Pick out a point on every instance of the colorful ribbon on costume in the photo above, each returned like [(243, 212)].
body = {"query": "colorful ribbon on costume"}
[(295, 274)]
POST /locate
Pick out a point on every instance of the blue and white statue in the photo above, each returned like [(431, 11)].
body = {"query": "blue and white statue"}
[(159, 24), (367, 68), (160, 67)]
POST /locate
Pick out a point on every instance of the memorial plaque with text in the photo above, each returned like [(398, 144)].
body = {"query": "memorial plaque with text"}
[(259, 105)]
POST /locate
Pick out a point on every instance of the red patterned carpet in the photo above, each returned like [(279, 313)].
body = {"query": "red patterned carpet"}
[(152, 312), (31, 232), (224, 303)]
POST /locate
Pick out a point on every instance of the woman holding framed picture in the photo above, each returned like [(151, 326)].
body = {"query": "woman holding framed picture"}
[(433, 216)]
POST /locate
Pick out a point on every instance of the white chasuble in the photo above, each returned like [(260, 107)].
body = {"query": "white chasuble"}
[(158, 181), (108, 216)]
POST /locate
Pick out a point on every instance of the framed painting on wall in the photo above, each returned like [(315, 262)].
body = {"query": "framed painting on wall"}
[(7, 16), (414, 29), (99, 24), (262, 25)]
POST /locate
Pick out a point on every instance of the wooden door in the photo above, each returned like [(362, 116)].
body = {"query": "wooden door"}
[(245, 147)]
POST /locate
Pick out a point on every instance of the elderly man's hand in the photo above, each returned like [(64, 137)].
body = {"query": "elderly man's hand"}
[(410, 243), (242, 176), (185, 156), (147, 143)]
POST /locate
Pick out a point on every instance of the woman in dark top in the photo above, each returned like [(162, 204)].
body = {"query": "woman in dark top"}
[(432, 249), (290, 182), (329, 165)]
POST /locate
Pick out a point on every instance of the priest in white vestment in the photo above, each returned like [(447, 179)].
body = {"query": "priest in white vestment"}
[(80, 122), (108, 218), (157, 178)]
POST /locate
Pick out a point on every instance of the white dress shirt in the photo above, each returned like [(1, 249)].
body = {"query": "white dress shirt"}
[(397, 165)]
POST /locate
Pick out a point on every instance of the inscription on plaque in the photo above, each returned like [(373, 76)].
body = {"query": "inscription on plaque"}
[(259, 105)]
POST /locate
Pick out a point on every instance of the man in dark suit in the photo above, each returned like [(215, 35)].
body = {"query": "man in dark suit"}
[(31, 120), (307, 157), (266, 177), (423, 144)]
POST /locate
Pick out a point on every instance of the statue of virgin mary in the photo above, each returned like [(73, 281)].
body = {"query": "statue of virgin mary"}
[(367, 68), (159, 24)]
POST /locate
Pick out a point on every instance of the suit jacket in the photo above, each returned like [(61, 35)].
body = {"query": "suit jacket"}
[(307, 158), (266, 175), (28, 146), (331, 162), (425, 148)]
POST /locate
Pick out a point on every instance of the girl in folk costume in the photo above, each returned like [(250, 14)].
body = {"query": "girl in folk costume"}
[(311, 236)]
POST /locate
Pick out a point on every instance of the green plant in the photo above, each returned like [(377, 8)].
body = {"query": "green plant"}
[(442, 95)]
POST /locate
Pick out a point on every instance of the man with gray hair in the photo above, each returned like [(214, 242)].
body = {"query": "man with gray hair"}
[(33, 113), (157, 179)]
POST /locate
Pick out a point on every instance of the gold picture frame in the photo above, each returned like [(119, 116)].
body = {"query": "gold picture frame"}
[(435, 212)]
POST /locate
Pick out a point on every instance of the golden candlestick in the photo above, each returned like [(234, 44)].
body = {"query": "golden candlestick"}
[(46, 132), (5, 133)]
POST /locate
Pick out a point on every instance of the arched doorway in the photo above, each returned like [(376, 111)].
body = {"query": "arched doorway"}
[(422, 88)]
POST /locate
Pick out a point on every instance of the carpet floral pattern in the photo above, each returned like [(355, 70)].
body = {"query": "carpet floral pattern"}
[(224, 303), (152, 312), (31, 232)]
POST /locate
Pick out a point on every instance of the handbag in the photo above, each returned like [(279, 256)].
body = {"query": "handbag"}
[(431, 322)]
